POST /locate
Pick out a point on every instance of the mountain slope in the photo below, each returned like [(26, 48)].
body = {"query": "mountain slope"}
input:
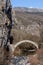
[(28, 24)]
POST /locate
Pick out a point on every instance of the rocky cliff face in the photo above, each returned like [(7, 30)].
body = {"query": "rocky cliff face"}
[(2, 3), (3, 18)]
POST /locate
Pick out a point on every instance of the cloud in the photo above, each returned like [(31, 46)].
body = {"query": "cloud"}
[(30, 7)]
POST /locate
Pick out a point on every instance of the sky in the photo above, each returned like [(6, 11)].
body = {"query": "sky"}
[(27, 3)]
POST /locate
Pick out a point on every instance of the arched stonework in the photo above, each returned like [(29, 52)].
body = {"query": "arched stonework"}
[(30, 42)]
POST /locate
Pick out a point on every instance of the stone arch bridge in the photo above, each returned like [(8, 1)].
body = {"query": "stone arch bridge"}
[(13, 47)]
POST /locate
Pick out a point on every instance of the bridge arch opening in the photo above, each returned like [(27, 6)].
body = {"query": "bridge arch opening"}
[(27, 42)]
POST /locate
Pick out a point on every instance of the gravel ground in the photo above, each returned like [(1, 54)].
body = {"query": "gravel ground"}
[(20, 60)]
